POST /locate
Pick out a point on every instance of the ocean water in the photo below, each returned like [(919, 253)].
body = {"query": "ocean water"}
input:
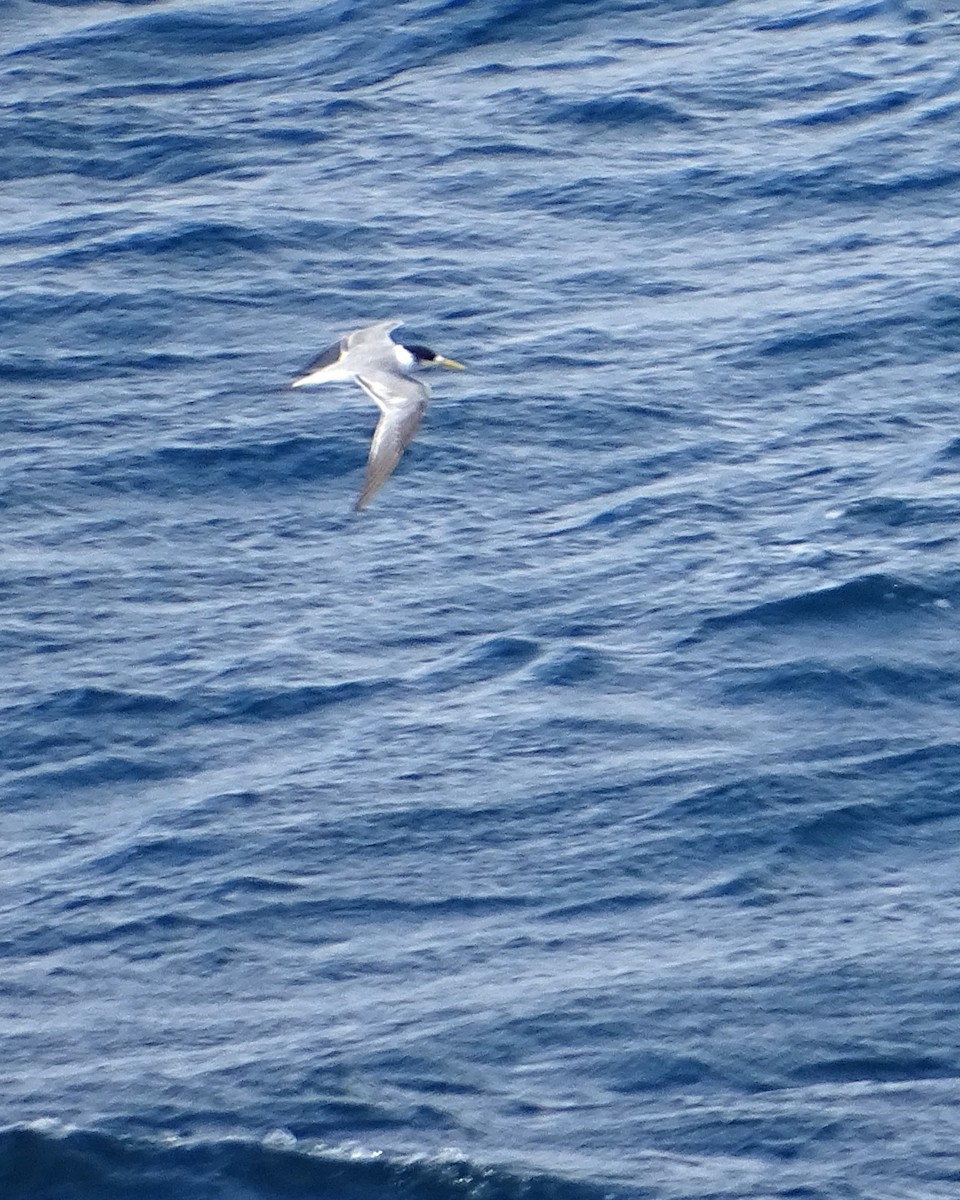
[(582, 820)]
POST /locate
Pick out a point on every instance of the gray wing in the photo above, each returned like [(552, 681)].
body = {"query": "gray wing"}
[(326, 358), (402, 408), (365, 349), (372, 334)]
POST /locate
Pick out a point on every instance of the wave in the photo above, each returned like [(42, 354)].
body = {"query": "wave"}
[(83, 736), (877, 594), (218, 468), (857, 110), (825, 14), (349, 46), (194, 241), (828, 685), (44, 1164), (184, 33), (615, 112)]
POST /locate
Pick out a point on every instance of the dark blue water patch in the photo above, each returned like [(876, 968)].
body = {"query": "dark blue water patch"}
[(176, 38), (852, 818), (834, 686), (623, 280), (857, 110), (418, 1072), (686, 844), (624, 518), (843, 832), (118, 336), (219, 469), (45, 234), (574, 666), (281, 704), (488, 659), (208, 83), (79, 737), (369, 52), (173, 899), (609, 907), (893, 823), (826, 14), (162, 855), (366, 1117), (951, 451), (750, 888), (90, 924), (849, 184), (88, 314), (618, 114), (500, 148), (892, 512), (512, 21), (602, 200), (97, 703), (116, 149), (250, 890), (38, 147), (424, 824), (942, 112), (210, 242), (897, 1066), (97, 770), (877, 595), (157, 158), (22, 368), (89, 1166), (650, 1069), (623, 424), (327, 916), (215, 247), (805, 356), (930, 771), (775, 1140), (771, 797), (91, 3)]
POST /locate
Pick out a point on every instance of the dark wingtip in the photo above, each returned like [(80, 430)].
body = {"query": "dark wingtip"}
[(326, 358), (363, 500)]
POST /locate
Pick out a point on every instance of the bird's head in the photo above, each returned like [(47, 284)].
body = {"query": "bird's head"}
[(422, 356)]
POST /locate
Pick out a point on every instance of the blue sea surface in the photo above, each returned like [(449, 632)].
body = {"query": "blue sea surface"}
[(582, 821)]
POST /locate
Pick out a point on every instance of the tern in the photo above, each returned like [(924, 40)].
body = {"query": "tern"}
[(382, 367)]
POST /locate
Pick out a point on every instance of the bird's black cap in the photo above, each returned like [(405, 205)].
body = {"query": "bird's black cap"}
[(422, 353)]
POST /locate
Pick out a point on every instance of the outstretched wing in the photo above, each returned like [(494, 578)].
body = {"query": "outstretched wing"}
[(323, 367), (333, 364), (380, 332), (400, 420)]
